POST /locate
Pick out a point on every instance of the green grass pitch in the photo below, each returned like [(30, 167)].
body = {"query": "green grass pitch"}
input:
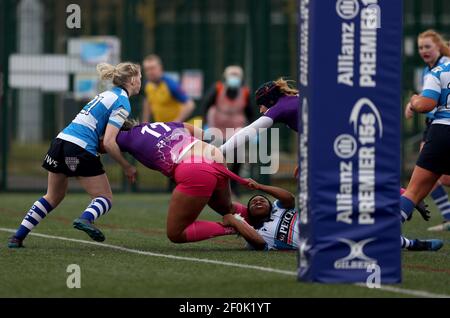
[(137, 222)]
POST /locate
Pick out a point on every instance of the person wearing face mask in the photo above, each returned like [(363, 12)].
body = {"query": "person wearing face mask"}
[(228, 105), (434, 51)]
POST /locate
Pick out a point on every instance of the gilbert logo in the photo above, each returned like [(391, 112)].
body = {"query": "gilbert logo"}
[(356, 259)]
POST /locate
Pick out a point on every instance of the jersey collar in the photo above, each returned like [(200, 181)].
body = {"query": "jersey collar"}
[(436, 63), (128, 95)]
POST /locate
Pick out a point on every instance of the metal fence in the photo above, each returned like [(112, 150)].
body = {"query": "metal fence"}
[(204, 35)]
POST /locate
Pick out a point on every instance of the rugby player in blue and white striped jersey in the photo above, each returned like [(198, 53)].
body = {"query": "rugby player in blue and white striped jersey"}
[(74, 153)]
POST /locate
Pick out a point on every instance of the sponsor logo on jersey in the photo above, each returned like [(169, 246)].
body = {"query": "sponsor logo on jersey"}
[(285, 227)]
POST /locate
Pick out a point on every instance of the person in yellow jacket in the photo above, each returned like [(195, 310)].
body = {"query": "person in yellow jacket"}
[(165, 101)]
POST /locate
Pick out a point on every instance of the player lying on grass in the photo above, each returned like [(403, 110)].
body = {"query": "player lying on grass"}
[(73, 153), (196, 167), (274, 225)]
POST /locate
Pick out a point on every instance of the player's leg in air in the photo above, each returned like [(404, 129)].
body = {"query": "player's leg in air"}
[(56, 191)]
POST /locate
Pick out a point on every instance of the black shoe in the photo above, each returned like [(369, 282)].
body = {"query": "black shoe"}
[(14, 242), (426, 245), (88, 227)]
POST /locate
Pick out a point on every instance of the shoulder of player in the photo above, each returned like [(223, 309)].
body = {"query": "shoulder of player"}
[(122, 98), (444, 59), (284, 101), (122, 102), (108, 98), (278, 208), (277, 204), (442, 68)]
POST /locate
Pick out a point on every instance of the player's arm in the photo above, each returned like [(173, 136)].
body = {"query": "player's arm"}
[(431, 93), (112, 148), (246, 231), (146, 111), (409, 113), (246, 133), (116, 121), (286, 198)]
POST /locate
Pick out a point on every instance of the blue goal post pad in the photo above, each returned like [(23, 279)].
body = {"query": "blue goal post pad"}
[(349, 140)]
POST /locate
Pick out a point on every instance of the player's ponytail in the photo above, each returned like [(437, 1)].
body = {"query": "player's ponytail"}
[(106, 71), (129, 124), (120, 74), (438, 39), (286, 87), (269, 93)]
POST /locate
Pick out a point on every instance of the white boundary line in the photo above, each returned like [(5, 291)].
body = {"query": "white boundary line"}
[(417, 293)]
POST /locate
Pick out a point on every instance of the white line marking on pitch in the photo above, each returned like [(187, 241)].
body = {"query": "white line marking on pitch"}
[(417, 293)]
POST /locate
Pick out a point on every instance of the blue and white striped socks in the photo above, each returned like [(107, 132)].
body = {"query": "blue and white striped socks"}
[(38, 211), (98, 207), (405, 243), (406, 208), (440, 198)]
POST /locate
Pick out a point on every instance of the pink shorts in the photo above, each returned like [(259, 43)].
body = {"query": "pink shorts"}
[(201, 179)]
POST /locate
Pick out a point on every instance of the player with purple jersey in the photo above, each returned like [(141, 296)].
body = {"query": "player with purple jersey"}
[(196, 167), (158, 146), (284, 111), (278, 102)]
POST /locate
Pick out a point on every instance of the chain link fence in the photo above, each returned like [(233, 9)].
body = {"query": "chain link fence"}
[(42, 76)]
